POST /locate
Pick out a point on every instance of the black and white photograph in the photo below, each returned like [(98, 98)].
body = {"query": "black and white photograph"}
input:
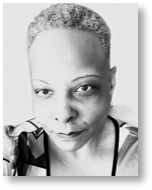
[(70, 95)]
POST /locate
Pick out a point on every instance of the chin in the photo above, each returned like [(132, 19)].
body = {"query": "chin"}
[(69, 146), (69, 143)]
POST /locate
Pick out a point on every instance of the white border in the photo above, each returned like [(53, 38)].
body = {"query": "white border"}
[(144, 181)]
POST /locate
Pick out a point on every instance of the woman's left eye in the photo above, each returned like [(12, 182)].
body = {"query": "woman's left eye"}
[(86, 89)]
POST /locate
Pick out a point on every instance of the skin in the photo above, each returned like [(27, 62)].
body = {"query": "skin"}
[(72, 88)]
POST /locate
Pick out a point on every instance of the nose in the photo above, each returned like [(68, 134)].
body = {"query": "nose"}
[(65, 112)]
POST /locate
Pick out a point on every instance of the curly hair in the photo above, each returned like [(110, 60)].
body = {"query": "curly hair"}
[(70, 16)]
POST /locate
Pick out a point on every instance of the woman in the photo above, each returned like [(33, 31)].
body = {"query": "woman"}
[(72, 86)]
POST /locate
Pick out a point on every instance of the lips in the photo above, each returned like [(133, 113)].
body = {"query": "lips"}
[(69, 135)]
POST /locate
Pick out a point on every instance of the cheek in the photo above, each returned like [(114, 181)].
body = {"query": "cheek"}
[(42, 110), (96, 111)]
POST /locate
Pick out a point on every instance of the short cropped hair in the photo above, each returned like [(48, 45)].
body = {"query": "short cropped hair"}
[(70, 16)]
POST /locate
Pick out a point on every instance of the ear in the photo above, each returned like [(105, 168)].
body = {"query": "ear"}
[(112, 80)]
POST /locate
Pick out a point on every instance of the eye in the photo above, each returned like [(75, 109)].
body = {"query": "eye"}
[(86, 89), (44, 93)]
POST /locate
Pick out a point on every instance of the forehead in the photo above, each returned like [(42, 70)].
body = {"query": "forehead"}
[(60, 51)]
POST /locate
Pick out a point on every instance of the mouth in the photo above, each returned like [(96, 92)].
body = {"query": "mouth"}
[(69, 135)]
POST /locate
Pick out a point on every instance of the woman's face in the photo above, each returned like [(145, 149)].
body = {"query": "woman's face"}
[(71, 84)]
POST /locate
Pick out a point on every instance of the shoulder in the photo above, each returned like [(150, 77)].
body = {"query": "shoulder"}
[(128, 150), (128, 134), (11, 136), (11, 133)]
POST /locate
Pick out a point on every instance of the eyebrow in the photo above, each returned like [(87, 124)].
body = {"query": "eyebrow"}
[(87, 76), (40, 81), (78, 78)]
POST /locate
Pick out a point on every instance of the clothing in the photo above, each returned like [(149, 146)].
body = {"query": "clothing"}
[(26, 150)]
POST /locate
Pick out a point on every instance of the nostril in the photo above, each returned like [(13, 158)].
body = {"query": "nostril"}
[(70, 118), (66, 120)]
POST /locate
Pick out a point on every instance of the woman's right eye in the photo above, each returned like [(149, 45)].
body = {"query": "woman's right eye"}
[(44, 93)]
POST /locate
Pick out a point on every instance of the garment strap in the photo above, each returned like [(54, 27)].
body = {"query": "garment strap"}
[(46, 147), (116, 147)]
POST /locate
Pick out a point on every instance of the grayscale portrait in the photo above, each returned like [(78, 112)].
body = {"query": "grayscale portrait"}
[(82, 118)]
